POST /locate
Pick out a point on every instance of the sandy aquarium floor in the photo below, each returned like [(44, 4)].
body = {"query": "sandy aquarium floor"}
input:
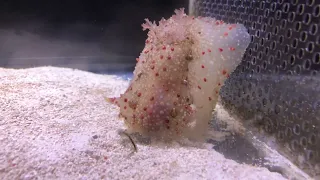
[(55, 124)]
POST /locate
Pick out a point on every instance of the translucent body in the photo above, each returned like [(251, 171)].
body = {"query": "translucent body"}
[(179, 74)]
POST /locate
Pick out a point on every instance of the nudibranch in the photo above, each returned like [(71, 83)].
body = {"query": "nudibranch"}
[(179, 74)]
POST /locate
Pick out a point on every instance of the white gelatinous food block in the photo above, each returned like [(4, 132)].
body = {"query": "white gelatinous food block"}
[(179, 74)]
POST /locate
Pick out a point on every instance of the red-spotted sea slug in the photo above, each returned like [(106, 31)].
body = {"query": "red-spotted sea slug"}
[(179, 74)]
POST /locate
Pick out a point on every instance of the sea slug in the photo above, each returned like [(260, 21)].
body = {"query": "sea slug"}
[(179, 74)]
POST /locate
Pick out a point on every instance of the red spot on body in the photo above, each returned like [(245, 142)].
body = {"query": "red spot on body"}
[(132, 105), (220, 49), (164, 47), (232, 48), (167, 121), (139, 94), (175, 103), (125, 107), (172, 49), (199, 87), (210, 99), (125, 100), (177, 131), (152, 67), (164, 69), (219, 84), (189, 109), (178, 95), (161, 57), (152, 98), (230, 27), (205, 79), (169, 57), (209, 50), (145, 108), (224, 72), (202, 66), (225, 34), (112, 99), (147, 41), (143, 62), (157, 74), (141, 117), (216, 92), (217, 23), (146, 52), (203, 52)]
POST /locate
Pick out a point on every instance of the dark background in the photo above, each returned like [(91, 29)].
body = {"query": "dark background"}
[(96, 35)]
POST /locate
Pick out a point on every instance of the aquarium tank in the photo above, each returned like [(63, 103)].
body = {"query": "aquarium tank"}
[(184, 89)]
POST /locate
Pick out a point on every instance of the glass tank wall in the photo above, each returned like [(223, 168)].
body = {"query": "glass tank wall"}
[(276, 89)]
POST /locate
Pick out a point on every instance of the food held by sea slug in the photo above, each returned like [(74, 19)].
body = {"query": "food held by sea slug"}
[(179, 74)]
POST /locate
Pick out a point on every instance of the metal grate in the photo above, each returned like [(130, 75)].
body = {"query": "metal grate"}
[(276, 89)]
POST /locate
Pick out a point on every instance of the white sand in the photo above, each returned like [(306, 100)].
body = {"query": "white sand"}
[(48, 120)]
